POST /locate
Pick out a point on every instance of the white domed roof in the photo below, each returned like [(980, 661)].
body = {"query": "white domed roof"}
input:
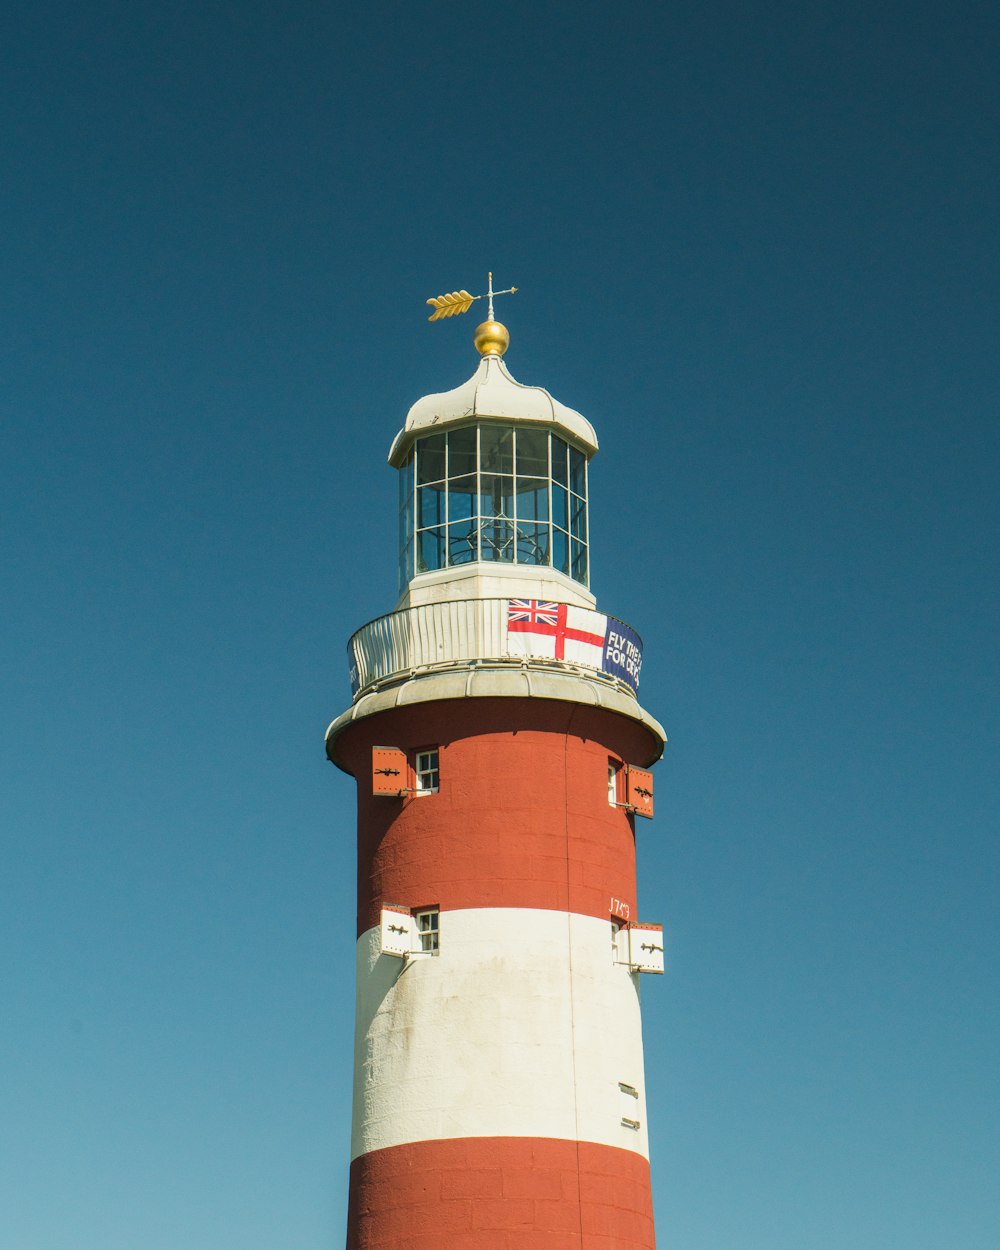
[(492, 392)]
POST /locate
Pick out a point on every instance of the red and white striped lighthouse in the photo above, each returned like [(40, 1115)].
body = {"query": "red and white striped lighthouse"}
[(501, 756)]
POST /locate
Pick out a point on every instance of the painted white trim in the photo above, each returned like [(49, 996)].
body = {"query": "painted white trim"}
[(523, 1026), (530, 679)]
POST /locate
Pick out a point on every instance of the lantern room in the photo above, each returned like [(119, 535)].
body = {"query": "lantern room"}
[(493, 493)]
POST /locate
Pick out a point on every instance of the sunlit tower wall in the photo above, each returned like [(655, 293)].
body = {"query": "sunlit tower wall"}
[(501, 757)]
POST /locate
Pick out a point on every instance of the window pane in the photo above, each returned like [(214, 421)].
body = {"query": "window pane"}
[(406, 482), (560, 551), (496, 496), (578, 509), (427, 772), (532, 544), (496, 541), (430, 550), (405, 565), (406, 522), (577, 471), (533, 453), (462, 451), (560, 507), (462, 542), (430, 505), (579, 569), (496, 448), (559, 450), (430, 458), (429, 929), (532, 499), (461, 498)]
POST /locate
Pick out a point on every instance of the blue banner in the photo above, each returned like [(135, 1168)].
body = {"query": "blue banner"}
[(622, 655)]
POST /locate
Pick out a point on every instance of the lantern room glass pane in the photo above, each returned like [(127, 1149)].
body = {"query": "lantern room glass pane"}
[(532, 544), (559, 453), (496, 448), (560, 550), (532, 499), (430, 550), (430, 458), (406, 482), (578, 518), (578, 565), (406, 522), (405, 564), (577, 471), (461, 497), (463, 542), (560, 506), (430, 505), (462, 451), (496, 496), (496, 541), (532, 453)]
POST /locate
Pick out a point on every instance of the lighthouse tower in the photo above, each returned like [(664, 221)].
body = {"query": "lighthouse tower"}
[(501, 758)]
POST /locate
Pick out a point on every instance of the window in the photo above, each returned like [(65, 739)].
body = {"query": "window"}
[(494, 492), (428, 930), (426, 772), (612, 783)]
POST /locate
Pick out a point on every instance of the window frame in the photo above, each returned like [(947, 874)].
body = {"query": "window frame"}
[(615, 770), (432, 768), (432, 932)]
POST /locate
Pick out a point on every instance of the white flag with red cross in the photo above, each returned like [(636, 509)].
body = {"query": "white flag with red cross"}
[(556, 631)]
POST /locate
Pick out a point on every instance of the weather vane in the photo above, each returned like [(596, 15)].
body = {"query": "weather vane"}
[(461, 301)]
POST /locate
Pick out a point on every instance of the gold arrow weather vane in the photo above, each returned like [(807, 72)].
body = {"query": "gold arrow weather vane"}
[(461, 301), (451, 305)]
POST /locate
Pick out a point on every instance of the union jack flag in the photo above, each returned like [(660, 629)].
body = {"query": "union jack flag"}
[(533, 611)]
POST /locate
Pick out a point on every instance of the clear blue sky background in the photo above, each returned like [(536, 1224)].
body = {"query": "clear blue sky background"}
[(757, 246)]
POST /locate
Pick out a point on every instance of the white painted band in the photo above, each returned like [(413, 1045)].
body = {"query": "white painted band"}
[(522, 1026)]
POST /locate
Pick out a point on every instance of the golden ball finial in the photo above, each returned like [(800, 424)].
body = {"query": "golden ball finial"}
[(491, 339)]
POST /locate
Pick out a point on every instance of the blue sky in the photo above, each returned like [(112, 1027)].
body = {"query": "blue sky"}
[(758, 247)]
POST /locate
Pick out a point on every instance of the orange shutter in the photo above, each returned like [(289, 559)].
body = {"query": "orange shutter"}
[(389, 771), (639, 791)]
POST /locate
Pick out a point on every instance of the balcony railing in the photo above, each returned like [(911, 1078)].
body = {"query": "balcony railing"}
[(440, 636)]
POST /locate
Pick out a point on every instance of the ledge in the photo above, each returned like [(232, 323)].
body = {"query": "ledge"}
[(507, 681)]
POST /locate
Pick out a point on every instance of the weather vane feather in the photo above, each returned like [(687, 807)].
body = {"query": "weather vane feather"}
[(461, 301), (450, 305)]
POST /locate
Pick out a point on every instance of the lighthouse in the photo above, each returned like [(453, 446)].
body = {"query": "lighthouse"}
[(502, 761)]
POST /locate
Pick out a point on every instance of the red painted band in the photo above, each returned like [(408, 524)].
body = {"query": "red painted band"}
[(521, 819), (500, 1193)]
